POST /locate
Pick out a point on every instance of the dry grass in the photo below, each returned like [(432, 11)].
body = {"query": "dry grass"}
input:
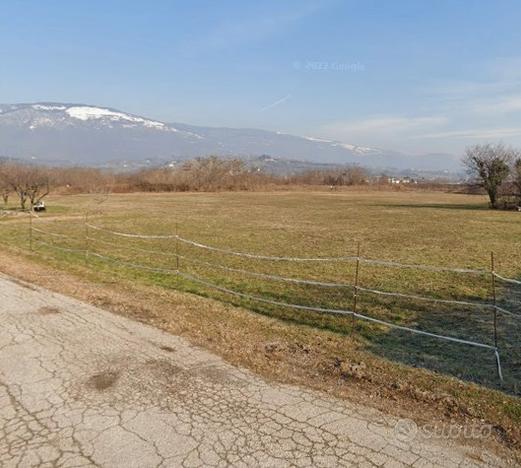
[(426, 228), (320, 351)]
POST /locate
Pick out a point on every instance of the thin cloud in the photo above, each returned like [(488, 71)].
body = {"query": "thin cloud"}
[(391, 132), (383, 124), (479, 133), (466, 89), (276, 103), (501, 105)]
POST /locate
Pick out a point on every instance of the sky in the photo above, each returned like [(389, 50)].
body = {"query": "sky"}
[(415, 76)]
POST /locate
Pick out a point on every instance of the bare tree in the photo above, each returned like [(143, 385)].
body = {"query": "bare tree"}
[(80, 179), (5, 195), (30, 183), (333, 177), (517, 177), (5, 189), (490, 166)]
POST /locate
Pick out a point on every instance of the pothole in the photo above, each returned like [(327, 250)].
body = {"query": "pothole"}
[(103, 380)]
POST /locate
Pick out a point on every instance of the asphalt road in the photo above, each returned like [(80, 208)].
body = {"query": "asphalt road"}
[(80, 386)]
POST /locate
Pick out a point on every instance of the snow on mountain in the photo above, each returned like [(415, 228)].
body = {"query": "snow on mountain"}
[(358, 149), (321, 140), (56, 115), (86, 134), (47, 108), (354, 148), (88, 113)]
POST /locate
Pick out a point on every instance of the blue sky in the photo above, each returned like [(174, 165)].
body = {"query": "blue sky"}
[(409, 75)]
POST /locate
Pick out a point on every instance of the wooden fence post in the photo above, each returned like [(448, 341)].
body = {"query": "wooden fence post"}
[(86, 227), (30, 230), (177, 246)]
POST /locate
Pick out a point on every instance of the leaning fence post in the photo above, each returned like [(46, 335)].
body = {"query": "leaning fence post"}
[(355, 289), (498, 363), (494, 302)]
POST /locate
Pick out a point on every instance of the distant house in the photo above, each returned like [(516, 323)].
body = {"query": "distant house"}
[(402, 180)]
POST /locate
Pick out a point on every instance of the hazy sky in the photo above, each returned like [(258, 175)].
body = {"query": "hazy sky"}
[(421, 76)]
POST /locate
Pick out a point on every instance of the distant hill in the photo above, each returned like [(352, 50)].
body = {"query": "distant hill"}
[(84, 134)]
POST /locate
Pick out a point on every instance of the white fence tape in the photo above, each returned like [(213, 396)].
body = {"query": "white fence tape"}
[(234, 270), (209, 284), (333, 259), (53, 234), (332, 311), (498, 363), (294, 259), (507, 312), (196, 279), (267, 257), (508, 280), (481, 305)]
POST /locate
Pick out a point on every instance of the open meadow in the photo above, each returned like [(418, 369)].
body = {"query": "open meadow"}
[(443, 232)]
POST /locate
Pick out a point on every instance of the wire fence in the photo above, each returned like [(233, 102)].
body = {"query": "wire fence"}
[(88, 242)]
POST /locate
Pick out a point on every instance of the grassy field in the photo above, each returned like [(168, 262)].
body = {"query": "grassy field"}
[(442, 230)]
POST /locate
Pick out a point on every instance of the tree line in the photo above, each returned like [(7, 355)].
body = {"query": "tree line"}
[(494, 167), (30, 183)]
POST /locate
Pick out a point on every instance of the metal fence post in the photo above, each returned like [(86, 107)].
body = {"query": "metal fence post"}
[(355, 289), (494, 296), (494, 302)]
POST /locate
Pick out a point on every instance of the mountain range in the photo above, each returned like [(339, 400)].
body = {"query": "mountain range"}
[(65, 133)]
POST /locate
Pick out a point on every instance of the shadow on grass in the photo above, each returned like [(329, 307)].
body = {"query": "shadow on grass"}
[(460, 360), (466, 362), (439, 206), (463, 361)]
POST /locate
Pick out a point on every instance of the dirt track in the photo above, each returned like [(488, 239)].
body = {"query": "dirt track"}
[(80, 386)]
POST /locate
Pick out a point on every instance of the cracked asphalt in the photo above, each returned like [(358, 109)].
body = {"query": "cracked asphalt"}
[(80, 386)]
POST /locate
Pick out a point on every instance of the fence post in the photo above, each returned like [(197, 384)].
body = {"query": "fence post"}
[(86, 237), (177, 246), (355, 289), (494, 296), (30, 230), (494, 302)]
